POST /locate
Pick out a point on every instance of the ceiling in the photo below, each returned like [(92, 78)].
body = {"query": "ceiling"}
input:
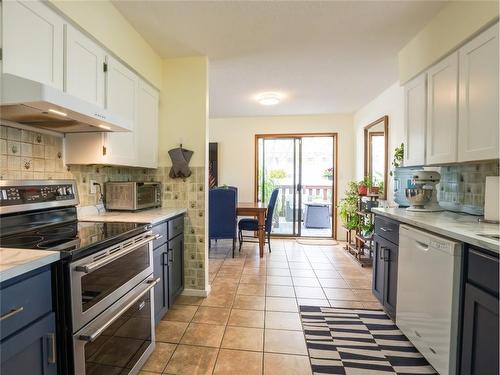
[(324, 57)]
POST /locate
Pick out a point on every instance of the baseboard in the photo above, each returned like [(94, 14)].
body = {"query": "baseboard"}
[(196, 292)]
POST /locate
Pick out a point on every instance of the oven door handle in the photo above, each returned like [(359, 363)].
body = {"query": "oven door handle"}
[(87, 268), (90, 337)]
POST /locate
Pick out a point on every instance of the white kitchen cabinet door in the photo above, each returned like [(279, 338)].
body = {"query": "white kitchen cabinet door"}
[(33, 42), (121, 98), (84, 67), (442, 111), (146, 129), (415, 96), (478, 98)]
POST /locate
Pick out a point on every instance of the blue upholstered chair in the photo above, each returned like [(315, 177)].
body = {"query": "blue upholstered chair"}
[(222, 215), (253, 224)]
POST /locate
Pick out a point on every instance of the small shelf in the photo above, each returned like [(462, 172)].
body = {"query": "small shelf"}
[(364, 239)]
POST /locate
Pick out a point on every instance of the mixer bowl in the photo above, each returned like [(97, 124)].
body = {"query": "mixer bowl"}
[(418, 197)]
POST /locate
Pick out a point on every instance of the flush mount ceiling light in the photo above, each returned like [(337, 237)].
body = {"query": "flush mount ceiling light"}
[(269, 98)]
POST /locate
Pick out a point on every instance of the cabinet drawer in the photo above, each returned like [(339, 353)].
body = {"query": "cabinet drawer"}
[(25, 301), (482, 270), (162, 230), (175, 226), (387, 228)]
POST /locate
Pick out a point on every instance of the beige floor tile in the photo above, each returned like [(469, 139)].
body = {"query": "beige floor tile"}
[(243, 338), (246, 318), (233, 362), (253, 279), (299, 265), (252, 289), (306, 281), (170, 331), (277, 264), (279, 364), (287, 342), (309, 292), (283, 320), (189, 360), (278, 272), (188, 300), (254, 271), (249, 302), (203, 334), (215, 299), (211, 315), (334, 283), (313, 302), (372, 305), (147, 373), (340, 294), (327, 274), (281, 304), (159, 358), (364, 295), (279, 291), (181, 313), (325, 265), (279, 280), (346, 304), (302, 273)]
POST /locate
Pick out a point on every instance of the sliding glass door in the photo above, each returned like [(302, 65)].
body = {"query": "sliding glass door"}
[(302, 168)]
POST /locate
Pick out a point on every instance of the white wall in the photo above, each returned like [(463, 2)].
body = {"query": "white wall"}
[(236, 138), (390, 102)]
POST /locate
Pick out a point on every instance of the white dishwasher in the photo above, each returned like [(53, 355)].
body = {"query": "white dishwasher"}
[(429, 271)]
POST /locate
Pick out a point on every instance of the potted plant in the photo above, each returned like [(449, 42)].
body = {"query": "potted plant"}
[(366, 229), (364, 185), (399, 153), (328, 173), (348, 207)]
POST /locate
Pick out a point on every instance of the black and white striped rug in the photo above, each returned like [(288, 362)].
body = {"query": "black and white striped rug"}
[(358, 342)]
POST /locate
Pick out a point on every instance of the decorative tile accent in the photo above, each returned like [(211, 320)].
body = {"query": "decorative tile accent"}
[(30, 155)]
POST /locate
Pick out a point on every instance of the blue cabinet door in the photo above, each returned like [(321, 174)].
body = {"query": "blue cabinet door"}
[(160, 270), (176, 267), (31, 351)]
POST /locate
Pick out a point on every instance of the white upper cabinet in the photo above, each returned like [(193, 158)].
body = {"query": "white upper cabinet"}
[(33, 42), (84, 68), (146, 140), (121, 98), (442, 109), (415, 96), (478, 97)]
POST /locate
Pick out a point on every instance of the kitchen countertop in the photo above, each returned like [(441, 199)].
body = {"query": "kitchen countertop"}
[(462, 227), (150, 216), (15, 262)]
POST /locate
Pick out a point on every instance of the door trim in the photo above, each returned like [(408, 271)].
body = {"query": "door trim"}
[(302, 135)]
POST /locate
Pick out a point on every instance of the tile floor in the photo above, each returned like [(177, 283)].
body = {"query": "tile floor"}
[(250, 324)]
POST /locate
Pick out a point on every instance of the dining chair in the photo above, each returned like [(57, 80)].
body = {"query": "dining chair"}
[(248, 224), (222, 215)]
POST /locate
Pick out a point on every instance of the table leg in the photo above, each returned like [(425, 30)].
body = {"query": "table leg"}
[(261, 219)]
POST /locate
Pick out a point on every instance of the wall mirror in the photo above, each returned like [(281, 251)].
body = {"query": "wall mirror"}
[(376, 144)]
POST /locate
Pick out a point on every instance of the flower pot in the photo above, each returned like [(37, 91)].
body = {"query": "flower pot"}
[(362, 190), (374, 190)]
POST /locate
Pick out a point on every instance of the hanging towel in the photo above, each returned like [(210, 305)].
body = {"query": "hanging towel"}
[(180, 162)]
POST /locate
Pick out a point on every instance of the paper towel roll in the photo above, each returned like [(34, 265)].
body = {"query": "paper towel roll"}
[(492, 198)]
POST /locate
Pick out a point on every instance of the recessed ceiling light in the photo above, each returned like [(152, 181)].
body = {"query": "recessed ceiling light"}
[(104, 127), (269, 98), (57, 112)]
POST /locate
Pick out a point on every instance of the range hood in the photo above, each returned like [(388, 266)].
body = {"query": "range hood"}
[(39, 105)]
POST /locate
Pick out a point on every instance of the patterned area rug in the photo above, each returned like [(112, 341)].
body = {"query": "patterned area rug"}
[(358, 342)]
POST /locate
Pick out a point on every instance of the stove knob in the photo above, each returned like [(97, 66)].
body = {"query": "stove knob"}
[(69, 190), (61, 191)]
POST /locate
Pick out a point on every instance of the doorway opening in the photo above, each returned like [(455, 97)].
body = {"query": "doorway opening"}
[(303, 168)]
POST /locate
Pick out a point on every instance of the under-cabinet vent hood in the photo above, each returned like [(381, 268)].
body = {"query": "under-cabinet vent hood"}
[(39, 105)]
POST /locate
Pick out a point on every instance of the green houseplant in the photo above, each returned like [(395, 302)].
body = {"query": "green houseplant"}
[(399, 153), (348, 207)]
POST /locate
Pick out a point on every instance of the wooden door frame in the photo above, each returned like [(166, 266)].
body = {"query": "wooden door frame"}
[(335, 144), (366, 130)]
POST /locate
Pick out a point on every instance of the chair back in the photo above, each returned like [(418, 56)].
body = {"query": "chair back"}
[(270, 210), (222, 213)]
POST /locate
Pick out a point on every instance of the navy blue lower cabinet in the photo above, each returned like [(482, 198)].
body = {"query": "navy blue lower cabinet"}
[(161, 270), (176, 267), (31, 351)]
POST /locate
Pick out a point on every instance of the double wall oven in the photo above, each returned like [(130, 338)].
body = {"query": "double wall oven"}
[(103, 284)]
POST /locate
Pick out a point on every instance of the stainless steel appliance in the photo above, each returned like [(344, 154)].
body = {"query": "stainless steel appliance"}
[(132, 196), (423, 196), (103, 282)]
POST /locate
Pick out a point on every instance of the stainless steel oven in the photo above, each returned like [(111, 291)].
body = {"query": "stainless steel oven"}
[(131, 196), (120, 340), (99, 280)]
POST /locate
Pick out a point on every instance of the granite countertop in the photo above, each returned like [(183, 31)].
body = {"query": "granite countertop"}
[(461, 227), (150, 216), (15, 262)]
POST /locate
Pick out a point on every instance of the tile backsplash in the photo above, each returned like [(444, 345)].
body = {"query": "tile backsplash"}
[(462, 186), (30, 155)]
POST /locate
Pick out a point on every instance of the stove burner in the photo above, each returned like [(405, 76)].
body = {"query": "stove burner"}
[(56, 231), (53, 243), (21, 241)]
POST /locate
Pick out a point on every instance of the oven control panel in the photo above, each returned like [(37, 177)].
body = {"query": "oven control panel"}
[(14, 195)]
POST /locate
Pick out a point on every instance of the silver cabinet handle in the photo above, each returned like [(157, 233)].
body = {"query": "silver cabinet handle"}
[(171, 255), (106, 260), (52, 345), (11, 313), (385, 229), (93, 335)]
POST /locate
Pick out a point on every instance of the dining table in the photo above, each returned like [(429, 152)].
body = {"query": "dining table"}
[(258, 210)]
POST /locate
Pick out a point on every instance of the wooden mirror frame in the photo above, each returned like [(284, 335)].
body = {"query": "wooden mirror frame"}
[(385, 121)]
